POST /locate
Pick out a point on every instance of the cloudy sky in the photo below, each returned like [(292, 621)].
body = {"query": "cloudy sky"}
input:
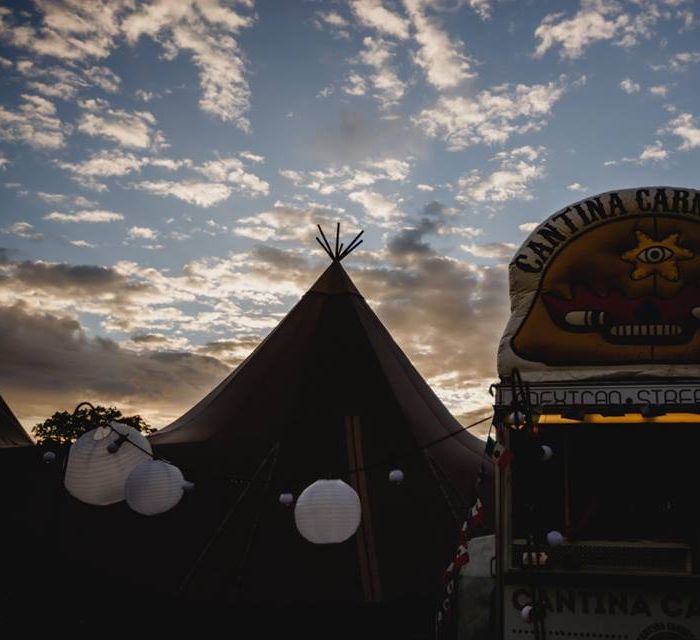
[(163, 164)]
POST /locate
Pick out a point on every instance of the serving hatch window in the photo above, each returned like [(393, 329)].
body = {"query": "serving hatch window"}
[(634, 481)]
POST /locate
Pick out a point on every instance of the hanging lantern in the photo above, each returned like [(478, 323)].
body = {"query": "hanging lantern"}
[(327, 512), (555, 538), (96, 476), (526, 613), (286, 499), (396, 476), (48, 457), (546, 452), (153, 487)]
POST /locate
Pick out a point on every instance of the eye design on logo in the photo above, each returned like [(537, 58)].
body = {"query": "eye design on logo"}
[(652, 256), (655, 254)]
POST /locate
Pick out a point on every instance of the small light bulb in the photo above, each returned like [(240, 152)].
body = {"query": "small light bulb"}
[(396, 476), (286, 499), (555, 538)]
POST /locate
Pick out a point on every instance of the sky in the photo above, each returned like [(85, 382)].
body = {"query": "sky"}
[(163, 166)]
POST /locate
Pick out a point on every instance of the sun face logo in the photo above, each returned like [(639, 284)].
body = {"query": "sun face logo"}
[(660, 257), (624, 293)]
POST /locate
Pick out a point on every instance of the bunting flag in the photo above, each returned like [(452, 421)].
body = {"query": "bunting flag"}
[(498, 453), (446, 617)]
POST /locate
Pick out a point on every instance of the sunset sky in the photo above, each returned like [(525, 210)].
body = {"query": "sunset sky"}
[(163, 165)]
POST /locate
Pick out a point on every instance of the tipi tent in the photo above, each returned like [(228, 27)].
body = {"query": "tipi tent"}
[(12, 434), (326, 393), (332, 390)]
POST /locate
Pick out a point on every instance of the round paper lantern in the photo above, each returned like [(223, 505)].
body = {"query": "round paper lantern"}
[(153, 487), (96, 476), (396, 476), (48, 457), (554, 538), (327, 512), (546, 452), (526, 613), (286, 499)]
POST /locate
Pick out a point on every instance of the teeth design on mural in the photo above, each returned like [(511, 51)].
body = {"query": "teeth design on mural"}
[(646, 330)]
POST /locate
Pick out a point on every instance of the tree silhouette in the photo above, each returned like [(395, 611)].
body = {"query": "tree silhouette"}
[(63, 427)]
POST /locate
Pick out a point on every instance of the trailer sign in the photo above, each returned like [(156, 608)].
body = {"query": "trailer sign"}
[(677, 393), (607, 613)]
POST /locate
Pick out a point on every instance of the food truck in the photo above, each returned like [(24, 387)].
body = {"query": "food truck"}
[(598, 409)]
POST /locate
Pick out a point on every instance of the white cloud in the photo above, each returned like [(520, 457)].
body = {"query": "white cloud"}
[(442, 60), (82, 243), (231, 170), (201, 194), (596, 21), (378, 208), (65, 83), (387, 87), (348, 178), (286, 222), (629, 86), (650, 153), (659, 90), (22, 230), (85, 216), (371, 13), (35, 123), (481, 7), (685, 127), (424, 187), (105, 164), (133, 129), (145, 96), (68, 29), (206, 29), (355, 84), (491, 116), (679, 62), (576, 186), (75, 30), (528, 227), (253, 157), (654, 153), (493, 250), (518, 169), (144, 233)]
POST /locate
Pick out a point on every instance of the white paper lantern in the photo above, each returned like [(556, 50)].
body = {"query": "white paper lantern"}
[(327, 512), (396, 476), (546, 452), (526, 613), (96, 476), (286, 499), (555, 538), (153, 487)]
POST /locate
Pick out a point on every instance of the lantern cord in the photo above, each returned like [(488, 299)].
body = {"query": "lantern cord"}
[(227, 516), (348, 472), (386, 461)]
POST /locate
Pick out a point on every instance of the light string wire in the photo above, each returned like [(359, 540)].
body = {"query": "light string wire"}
[(290, 481)]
